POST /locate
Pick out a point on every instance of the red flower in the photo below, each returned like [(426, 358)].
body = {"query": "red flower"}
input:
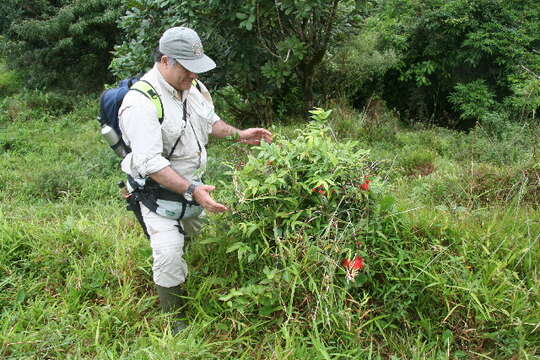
[(319, 189), (365, 185), (355, 264)]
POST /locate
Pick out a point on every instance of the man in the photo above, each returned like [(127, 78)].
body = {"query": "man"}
[(170, 157)]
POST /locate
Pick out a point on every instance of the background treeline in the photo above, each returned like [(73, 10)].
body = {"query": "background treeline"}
[(455, 63)]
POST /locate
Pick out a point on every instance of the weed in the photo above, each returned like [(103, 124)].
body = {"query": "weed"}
[(9, 82)]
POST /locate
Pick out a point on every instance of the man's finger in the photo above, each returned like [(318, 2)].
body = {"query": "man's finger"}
[(208, 188), (218, 208), (265, 134), (268, 138)]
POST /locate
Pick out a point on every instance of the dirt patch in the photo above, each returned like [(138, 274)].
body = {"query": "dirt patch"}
[(422, 170), (532, 178)]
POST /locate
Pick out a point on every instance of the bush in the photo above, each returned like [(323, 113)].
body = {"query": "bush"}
[(37, 103), (9, 81), (64, 44), (417, 161), (296, 198), (483, 45), (473, 101), (304, 207), (55, 103), (354, 69), (526, 95), (9, 11)]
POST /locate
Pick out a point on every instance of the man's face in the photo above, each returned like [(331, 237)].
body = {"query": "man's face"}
[(176, 75)]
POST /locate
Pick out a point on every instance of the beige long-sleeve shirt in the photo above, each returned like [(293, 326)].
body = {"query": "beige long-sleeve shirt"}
[(151, 142)]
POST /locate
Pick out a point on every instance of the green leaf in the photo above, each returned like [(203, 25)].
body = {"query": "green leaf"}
[(241, 16), (235, 246), (269, 309), (21, 296)]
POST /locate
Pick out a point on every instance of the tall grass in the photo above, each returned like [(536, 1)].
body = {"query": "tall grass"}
[(452, 269)]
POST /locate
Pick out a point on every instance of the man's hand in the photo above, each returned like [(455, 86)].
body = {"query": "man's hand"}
[(201, 194), (253, 136)]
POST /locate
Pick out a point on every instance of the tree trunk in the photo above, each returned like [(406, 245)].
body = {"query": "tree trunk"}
[(308, 90), (307, 73)]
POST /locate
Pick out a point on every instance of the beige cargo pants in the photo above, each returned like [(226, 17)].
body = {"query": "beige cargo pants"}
[(169, 267)]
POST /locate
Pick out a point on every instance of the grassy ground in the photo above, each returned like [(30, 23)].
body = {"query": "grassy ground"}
[(75, 269)]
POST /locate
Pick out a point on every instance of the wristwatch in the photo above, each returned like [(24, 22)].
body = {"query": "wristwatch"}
[(188, 195)]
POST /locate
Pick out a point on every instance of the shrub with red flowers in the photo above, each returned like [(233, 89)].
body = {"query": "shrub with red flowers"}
[(297, 213), (310, 236)]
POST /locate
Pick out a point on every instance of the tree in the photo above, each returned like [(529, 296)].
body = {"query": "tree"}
[(268, 51), (448, 46), (64, 43)]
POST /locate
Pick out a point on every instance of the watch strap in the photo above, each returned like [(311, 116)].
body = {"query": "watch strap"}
[(190, 189)]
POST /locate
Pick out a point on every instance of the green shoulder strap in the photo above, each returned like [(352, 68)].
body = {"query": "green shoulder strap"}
[(196, 84), (145, 88)]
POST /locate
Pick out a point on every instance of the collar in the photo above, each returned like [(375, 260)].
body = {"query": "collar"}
[(180, 95)]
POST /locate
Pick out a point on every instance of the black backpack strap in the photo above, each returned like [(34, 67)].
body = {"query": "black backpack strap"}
[(184, 116), (135, 206)]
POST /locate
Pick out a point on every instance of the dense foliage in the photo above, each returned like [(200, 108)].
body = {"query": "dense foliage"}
[(461, 60), (63, 43), (300, 211), (8, 12), (456, 63), (268, 52)]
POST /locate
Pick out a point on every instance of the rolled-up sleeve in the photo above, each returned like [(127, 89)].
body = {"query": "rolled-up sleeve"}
[(208, 113), (141, 131)]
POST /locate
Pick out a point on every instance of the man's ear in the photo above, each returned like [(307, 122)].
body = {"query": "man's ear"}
[(164, 60)]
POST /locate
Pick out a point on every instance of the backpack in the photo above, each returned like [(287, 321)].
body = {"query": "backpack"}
[(109, 104)]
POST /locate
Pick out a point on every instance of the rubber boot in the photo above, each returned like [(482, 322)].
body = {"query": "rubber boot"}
[(171, 302)]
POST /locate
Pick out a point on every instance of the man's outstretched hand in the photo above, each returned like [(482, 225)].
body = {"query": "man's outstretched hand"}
[(201, 194), (253, 136)]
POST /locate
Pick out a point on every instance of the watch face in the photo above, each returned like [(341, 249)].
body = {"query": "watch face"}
[(188, 195)]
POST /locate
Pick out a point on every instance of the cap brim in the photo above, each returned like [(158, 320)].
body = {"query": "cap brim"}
[(198, 66)]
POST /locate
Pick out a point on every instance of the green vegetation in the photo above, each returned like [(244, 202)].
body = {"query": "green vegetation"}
[(60, 44), (442, 226), (461, 58), (272, 50), (456, 63), (449, 231)]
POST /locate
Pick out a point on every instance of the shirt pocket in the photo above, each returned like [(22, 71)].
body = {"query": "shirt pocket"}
[(171, 132), (202, 129)]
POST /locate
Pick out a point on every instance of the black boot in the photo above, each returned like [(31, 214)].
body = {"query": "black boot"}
[(171, 302)]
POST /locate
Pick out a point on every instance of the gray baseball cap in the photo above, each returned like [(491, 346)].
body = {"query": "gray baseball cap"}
[(184, 45)]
